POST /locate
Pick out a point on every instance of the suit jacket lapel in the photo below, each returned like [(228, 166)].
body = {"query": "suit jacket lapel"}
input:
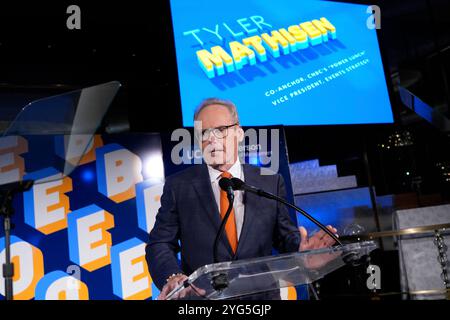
[(251, 177), (203, 188)]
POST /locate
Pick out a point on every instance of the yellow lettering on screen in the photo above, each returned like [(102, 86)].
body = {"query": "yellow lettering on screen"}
[(255, 43), (241, 53), (324, 26), (299, 34), (274, 40), (310, 29), (215, 58), (289, 38), (220, 52)]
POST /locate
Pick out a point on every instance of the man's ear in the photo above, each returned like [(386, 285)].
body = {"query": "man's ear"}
[(240, 134), (197, 133)]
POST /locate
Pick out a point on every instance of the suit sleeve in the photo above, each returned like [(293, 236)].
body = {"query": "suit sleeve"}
[(163, 246), (286, 235)]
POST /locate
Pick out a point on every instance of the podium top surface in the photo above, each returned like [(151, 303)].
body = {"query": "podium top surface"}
[(238, 278)]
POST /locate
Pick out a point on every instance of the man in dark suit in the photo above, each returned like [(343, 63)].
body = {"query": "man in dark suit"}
[(192, 206)]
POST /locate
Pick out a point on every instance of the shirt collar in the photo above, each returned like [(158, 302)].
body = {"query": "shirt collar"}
[(235, 171)]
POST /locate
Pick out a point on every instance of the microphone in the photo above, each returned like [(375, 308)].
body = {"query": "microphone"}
[(226, 185), (238, 184)]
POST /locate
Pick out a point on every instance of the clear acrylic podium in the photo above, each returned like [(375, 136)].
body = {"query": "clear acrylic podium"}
[(234, 279)]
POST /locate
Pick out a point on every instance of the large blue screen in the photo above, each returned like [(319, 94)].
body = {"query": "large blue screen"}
[(285, 62)]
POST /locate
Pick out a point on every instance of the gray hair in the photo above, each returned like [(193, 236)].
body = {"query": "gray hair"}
[(226, 103)]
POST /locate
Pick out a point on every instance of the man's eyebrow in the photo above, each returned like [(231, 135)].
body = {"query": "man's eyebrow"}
[(219, 127), (214, 128)]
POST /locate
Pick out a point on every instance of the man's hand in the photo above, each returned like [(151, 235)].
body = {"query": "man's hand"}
[(170, 285), (319, 240), (186, 292)]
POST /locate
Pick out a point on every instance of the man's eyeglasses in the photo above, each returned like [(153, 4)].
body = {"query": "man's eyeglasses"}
[(219, 132)]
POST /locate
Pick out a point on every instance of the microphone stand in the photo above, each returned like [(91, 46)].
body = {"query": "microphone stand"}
[(265, 194), (220, 280), (230, 196), (7, 210), (349, 258), (240, 185)]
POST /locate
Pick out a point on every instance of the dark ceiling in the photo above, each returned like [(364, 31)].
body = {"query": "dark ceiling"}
[(131, 41)]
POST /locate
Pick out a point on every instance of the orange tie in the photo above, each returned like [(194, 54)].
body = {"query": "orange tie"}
[(230, 227)]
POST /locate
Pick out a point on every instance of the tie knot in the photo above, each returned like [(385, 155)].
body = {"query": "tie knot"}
[(226, 174)]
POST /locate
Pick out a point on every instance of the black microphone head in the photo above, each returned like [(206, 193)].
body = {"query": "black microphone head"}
[(225, 184), (237, 183)]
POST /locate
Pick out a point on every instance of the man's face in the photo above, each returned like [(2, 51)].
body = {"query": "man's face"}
[(219, 151)]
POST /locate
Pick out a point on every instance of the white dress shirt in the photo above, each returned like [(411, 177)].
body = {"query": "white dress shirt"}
[(238, 205)]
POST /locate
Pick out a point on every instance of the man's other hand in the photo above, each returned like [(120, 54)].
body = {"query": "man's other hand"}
[(319, 240), (170, 285)]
